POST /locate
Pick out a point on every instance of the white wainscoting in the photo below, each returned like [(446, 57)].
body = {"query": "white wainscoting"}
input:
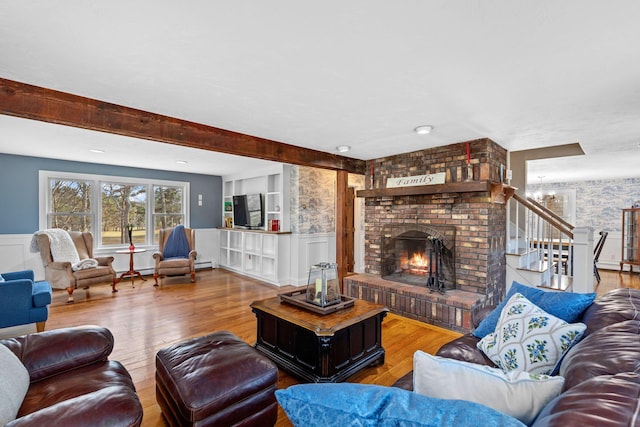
[(15, 254), (309, 249)]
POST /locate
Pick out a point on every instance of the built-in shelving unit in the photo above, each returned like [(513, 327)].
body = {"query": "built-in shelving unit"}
[(263, 255), (273, 184)]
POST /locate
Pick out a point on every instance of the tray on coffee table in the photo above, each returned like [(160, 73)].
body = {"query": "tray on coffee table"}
[(299, 298)]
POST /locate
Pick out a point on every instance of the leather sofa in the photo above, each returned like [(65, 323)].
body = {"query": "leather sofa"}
[(72, 382), (602, 381)]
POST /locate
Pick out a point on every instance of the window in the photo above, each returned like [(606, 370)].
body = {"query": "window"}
[(167, 204), (122, 205), (106, 205), (70, 202)]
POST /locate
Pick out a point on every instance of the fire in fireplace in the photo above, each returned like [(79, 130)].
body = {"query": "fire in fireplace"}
[(419, 256)]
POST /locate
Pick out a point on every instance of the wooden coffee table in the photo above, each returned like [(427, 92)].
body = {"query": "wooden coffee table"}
[(320, 348)]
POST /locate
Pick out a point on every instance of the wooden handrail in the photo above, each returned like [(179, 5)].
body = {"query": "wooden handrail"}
[(543, 214), (551, 213)]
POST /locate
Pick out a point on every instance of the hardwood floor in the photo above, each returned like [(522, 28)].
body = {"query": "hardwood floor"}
[(610, 279), (145, 319)]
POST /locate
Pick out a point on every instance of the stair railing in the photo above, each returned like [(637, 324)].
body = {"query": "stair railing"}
[(543, 235)]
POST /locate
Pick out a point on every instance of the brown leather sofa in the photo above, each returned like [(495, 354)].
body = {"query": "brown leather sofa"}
[(72, 381), (602, 380)]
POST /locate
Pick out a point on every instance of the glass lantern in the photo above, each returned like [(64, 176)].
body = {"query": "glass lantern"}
[(323, 288)]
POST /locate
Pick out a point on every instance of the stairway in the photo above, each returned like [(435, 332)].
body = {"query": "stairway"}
[(527, 268), (534, 233)]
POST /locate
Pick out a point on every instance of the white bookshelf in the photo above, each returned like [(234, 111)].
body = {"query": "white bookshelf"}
[(272, 183), (263, 255)]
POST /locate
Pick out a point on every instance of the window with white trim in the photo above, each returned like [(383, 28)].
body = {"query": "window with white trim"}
[(107, 205)]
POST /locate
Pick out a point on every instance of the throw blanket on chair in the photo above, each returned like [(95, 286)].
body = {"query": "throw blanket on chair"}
[(177, 245), (63, 249), (83, 264)]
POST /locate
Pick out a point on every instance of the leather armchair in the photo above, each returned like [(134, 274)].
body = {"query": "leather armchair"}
[(72, 382), (24, 301), (169, 266), (60, 274)]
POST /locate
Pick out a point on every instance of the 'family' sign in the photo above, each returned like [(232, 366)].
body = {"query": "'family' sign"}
[(411, 181)]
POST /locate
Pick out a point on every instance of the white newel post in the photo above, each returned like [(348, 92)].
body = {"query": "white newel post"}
[(583, 260)]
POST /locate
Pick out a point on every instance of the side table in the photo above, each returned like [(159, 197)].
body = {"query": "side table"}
[(131, 273)]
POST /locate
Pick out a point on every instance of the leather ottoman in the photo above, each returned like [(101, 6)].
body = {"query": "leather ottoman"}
[(216, 379)]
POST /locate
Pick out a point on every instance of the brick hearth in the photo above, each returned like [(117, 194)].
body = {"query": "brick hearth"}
[(451, 310), (480, 228)]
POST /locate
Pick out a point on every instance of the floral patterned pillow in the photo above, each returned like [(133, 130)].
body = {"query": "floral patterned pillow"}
[(529, 339)]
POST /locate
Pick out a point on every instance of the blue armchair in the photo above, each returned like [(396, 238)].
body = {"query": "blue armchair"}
[(23, 301)]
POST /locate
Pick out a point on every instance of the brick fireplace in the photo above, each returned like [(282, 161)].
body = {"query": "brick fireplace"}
[(463, 216)]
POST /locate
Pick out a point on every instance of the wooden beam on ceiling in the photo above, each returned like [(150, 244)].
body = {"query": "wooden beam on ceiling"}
[(48, 105)]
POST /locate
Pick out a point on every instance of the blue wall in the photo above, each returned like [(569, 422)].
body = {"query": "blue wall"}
[(19, 190)]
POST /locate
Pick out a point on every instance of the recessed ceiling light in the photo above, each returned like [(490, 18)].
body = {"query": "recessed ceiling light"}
[(96, 150), (423, 130), (343, 148), (181, 162)]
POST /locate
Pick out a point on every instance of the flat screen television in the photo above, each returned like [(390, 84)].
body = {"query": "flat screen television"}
[(248, 211)]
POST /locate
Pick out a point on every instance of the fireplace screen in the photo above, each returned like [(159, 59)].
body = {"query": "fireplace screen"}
[(420, 257)]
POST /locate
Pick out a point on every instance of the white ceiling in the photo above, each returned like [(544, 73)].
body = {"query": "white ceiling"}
[(362, 73)]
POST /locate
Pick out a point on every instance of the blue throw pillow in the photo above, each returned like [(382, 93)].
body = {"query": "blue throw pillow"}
[(347, 404), (568, 306), (1, 278)]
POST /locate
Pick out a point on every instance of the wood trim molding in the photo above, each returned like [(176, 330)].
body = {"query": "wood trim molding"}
[(342, 183), (48, 105)]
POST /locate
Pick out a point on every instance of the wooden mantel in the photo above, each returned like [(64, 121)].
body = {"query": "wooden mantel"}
[(500, 192)]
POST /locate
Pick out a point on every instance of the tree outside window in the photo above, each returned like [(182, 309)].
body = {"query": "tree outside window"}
[(168, 208), (105, 206), (123, 204), (70, 205)]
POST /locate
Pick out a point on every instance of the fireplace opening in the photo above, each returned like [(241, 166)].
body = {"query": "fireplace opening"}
[(420, 257)]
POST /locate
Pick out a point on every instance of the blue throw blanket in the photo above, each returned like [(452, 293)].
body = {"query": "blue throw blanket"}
[(177, 245)]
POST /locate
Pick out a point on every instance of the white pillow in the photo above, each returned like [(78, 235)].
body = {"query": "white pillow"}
[(14, 385), (527, 338), (518, 394)]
